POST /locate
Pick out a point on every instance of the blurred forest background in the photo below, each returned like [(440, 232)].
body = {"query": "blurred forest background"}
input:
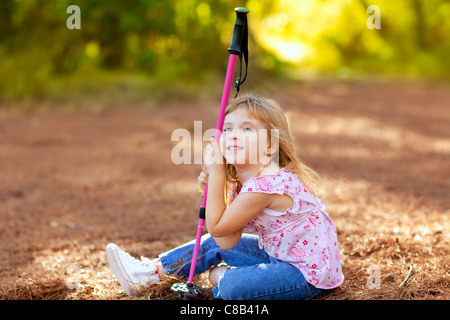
[(145, 50)]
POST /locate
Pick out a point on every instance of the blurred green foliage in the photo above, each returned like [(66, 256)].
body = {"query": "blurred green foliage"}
[(145, 45)]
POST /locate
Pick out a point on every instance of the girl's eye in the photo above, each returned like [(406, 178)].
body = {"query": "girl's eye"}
[(227, 130), (247, 129)]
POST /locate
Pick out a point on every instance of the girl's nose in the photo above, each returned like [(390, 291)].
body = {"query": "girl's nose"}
[(232, 135)]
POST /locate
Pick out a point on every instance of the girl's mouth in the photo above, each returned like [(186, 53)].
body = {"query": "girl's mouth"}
[(234, 148)]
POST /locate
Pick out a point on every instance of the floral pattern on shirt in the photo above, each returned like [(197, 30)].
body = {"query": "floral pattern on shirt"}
[(303, 235)]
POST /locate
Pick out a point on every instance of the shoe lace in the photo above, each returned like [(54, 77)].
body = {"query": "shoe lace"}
[(144, 262)]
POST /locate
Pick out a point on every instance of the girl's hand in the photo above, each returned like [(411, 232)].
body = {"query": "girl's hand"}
[(203, 178), (213, 159)]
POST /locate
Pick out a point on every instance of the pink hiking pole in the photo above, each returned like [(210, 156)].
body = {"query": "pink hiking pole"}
[(237, 48)]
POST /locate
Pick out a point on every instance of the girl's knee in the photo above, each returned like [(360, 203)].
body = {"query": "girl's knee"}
[(225, 289), (231, 286)]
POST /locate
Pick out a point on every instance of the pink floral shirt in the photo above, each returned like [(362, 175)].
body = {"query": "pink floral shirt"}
[(303, 235)]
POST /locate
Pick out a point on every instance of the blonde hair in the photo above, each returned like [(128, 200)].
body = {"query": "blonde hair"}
[(270, 113)]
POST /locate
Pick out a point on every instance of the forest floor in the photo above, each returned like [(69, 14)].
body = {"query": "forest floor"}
[(73, 181)]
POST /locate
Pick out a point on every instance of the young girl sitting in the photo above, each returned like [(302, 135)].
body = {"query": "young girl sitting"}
[(289, 249)]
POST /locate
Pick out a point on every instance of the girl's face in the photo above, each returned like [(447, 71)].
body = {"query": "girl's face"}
[(244, 139)]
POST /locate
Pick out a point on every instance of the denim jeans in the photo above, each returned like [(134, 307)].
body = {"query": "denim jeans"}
[(256, 275)]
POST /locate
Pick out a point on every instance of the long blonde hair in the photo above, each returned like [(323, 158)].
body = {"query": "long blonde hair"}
[(270, 113)]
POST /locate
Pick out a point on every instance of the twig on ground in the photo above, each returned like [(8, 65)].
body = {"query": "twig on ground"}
[(407, 276)]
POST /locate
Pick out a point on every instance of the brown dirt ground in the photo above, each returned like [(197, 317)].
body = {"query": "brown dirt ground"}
[(71, 182)]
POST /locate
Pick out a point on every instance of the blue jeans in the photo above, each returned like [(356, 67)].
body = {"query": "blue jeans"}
[(256, 276)]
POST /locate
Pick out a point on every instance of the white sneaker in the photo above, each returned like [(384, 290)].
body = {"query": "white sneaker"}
[(132, 274)]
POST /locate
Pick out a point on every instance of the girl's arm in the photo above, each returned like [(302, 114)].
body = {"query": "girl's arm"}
[(229, 241), (220, 220)]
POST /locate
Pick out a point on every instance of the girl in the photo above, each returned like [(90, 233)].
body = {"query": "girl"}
[(293, 252)]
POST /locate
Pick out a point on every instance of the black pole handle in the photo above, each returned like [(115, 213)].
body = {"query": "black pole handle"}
[(238, 32)]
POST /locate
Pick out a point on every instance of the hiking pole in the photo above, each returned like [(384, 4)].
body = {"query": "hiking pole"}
[(237, 48)]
